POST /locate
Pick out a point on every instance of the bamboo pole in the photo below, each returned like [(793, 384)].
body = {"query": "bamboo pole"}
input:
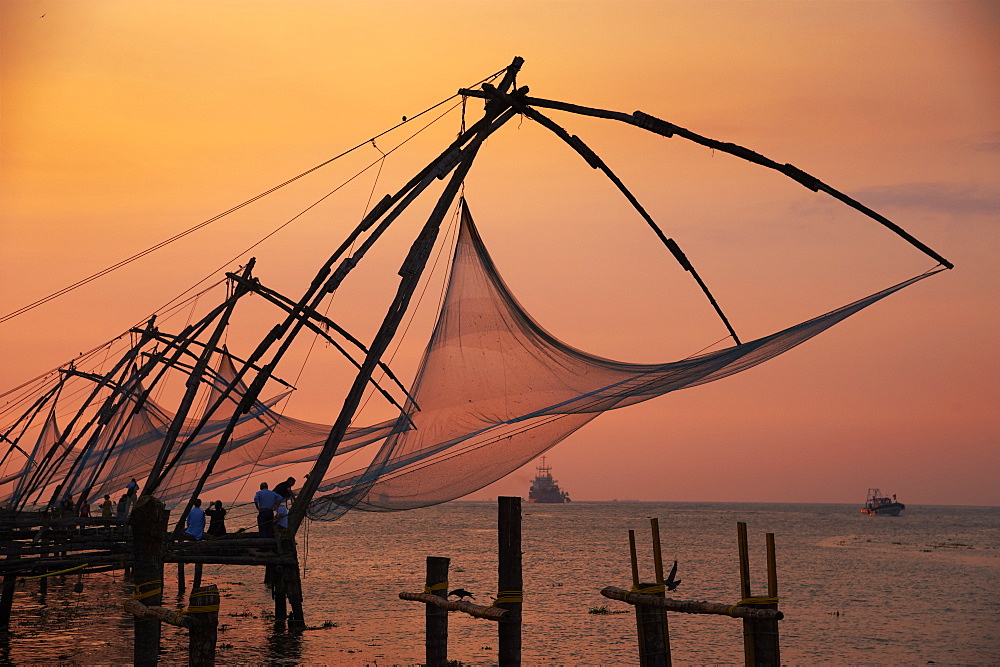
[(410, 272), (639, 625), (690, 606), (470, 608), (666, 129), (436, 618)]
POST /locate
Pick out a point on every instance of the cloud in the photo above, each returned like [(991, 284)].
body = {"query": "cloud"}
[(933, 197)]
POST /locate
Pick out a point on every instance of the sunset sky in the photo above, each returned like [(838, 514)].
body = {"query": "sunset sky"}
[(125, 122)]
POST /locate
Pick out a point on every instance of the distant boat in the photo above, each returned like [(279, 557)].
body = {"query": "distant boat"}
[(544, 489), (877, 504)]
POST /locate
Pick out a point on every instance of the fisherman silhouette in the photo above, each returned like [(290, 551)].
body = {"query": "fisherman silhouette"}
[(461, 593), (672, 583)]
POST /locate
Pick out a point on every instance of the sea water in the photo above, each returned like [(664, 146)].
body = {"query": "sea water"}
[(923, 587)]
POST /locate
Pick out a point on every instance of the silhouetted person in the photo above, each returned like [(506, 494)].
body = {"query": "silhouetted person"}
[(461, 593), (284, 489), (107, 507), (218, 515), (195, 522), (265, 500)]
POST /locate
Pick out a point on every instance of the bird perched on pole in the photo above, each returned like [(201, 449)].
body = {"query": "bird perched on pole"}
[(672, 583), (461, 593)]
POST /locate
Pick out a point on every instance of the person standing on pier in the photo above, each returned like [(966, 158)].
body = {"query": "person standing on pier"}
[(218, 515), (107, 507), (265, 500), (195, 522), (131, 492)]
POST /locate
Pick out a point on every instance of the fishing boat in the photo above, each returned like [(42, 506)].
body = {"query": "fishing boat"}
[(544, 489), (876, 504)]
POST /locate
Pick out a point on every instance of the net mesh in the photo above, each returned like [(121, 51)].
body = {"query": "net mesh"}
[(495, 390)]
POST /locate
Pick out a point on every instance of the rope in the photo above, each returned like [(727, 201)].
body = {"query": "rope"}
[(443, 586), (52, 574), (141, 596), (508, 597), (649, 590), (200, 225)]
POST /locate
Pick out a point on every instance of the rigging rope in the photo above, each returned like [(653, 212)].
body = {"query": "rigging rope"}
[(128, 260)]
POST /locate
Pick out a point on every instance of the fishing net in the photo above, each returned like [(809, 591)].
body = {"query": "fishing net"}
[(495, 390)]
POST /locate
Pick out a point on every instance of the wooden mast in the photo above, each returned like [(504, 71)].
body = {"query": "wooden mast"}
[(497, 113), (666, 129)]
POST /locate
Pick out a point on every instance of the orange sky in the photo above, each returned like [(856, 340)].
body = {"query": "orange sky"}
[(126, 122)]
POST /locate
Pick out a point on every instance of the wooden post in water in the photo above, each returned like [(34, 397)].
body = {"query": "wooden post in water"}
[(198, 567), (279, 593), (509, 580), (635, 587), (436, 619), (290, 580), (204, 632), (181, 585), (7, 601), (766, 647), (760, 636), (654, 525), (149, 532), (649, 619), (744, 555)]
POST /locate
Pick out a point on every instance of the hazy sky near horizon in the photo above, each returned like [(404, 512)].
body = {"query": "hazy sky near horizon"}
[(125, 122)]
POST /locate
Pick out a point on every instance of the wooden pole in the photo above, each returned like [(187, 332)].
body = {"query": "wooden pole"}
[(509, 579), (666, 129), (690, 606), (149, 532), (435, 618), (654, 525), (280, 595), (649, 619), (204, 632), (7, 601), (181, 584), (744, 555), (410, 272), (766, 646), (635, 587), (198, 567)]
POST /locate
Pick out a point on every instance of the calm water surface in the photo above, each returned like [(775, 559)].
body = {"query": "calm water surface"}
[(855, 590)]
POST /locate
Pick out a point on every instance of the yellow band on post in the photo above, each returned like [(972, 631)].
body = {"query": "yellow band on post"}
[(649, 590), (443, 586)]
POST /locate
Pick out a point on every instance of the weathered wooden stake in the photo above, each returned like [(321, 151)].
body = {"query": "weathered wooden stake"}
[(279, 593), (744, 555), (766, 647), (181, 585), (760, 637), (649, 619), (654, 525), (635, 587), (149, 532), (198, 567), (204, 632), (435, 618), (7, 601), (509, 580)]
